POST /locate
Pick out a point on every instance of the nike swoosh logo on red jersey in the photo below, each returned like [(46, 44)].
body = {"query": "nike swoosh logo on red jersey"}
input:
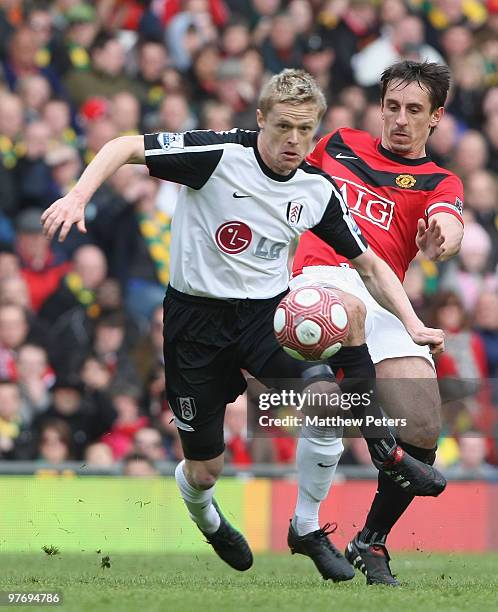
[(342, 156)]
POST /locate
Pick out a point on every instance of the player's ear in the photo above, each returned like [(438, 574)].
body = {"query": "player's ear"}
[(260, 118), (436, 117)]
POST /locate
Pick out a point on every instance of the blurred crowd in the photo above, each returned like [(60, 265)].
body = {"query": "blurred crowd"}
[(81, 364)]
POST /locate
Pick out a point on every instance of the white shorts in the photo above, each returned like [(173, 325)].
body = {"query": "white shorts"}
[(385, 334)]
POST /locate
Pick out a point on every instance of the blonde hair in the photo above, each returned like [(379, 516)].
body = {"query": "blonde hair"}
[(292, 86)]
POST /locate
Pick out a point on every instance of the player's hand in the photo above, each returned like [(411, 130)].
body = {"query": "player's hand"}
[(430, 239), (423, 336), (62, 214)]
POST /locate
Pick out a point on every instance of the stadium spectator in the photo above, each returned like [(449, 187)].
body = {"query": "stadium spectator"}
[(236, 38), (72, 51), (125, 113), (405, 41), (148, 442), (481, 197), (486, 326), (188, 31), (55, 442), (32, 174), (337, 116), (216, 116), (282, 48), (14, 290), (77, 288), (110, 346), (57, 115), (469, 275), (106, 75), (23, 60), (139, 465), (88, 421), (15, 437), (347, 27), (95, 374), (204, 72), (147, 353), (14, 330), (9, 263), (65, 168), (470, 155), (237, 445), (175, 115), (35, 378), (472, 462), (34, 91), (371, 120), (141, 248), (98, 455), (465, 99), (125, 400), (41, 267), (491, 133), (442, 142)]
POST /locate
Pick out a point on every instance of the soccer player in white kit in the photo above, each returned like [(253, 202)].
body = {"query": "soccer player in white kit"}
[(245, 197)]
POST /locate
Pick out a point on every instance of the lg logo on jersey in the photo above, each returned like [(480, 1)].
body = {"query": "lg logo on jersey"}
[(366, 204), (235, 237)]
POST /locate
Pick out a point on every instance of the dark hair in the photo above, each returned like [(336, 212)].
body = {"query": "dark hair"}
[(62, 429), (429, 75), (101, 40), (444, 298)]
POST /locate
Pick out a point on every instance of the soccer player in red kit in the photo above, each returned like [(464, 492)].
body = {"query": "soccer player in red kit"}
[(403, 202)]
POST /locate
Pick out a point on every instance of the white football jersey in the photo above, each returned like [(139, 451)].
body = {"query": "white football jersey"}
[(235, 218)]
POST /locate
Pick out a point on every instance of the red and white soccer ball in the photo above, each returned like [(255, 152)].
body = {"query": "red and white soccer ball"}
[(311, 323)]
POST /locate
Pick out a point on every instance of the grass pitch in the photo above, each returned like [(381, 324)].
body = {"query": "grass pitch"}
[(100, 581)]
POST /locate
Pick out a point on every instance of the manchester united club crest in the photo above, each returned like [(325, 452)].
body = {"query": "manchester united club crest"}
[(405, 181)]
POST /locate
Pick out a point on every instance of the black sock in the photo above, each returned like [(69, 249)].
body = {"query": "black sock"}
[(359, 378), (391, 501)]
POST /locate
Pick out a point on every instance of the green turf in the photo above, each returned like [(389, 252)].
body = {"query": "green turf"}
[(202, 583)]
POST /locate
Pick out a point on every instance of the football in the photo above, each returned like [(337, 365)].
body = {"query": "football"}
[(311, 323)]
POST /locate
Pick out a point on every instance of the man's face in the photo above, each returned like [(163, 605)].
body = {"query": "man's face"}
[(286, 135), (407, 117)]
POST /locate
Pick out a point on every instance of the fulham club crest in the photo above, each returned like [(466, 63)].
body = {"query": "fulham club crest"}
[(186, 406), (294, 210)]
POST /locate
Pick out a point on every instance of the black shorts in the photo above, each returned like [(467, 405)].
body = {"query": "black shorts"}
[(206, 344)]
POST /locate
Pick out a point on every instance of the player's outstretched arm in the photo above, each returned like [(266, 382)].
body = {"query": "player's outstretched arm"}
[(70, 209), (386, 288), (441, 238)]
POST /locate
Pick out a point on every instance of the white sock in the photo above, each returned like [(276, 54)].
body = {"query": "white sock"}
[(313, 480), (198, 502)]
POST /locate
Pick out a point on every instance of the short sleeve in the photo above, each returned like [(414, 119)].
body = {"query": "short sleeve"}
[(447, 197), (338, 228)]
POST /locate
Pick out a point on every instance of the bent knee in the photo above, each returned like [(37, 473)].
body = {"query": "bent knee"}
[(201, 476), (357, 313), (423, 435)]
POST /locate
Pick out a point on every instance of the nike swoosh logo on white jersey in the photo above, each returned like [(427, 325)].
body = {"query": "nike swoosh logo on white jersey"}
[(342, 156), (240, 195)]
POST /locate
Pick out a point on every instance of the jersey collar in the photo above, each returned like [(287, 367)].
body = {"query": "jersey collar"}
[(269, 172), (406, 161)]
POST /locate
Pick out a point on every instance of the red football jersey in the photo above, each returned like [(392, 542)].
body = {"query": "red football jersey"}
[(386, 194)]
